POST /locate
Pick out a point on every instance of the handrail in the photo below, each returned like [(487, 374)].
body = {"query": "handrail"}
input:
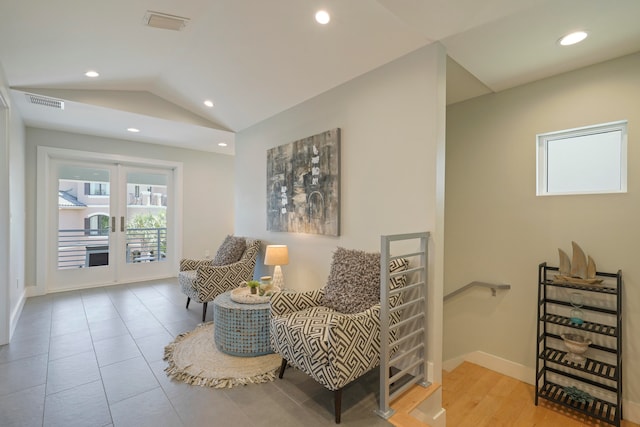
[(494, 288)]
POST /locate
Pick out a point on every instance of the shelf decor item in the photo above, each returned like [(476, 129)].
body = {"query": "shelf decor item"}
[(578, 395), (577, 315), (580, 270), (577, 346)]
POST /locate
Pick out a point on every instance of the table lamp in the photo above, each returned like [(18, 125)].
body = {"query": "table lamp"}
[(277, 255)]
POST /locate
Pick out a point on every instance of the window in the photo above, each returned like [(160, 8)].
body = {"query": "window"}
[(588, 160), (96, 225), (96, 188)]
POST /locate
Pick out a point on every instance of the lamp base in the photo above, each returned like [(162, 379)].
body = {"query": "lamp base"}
[(278, 278)]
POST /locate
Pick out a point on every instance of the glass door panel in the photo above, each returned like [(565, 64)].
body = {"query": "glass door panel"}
[(83, 217), (82, 239), (146, 219), (147, 249)]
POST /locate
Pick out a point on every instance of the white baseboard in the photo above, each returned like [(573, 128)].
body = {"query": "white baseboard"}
[(33, 291), (631, 410)]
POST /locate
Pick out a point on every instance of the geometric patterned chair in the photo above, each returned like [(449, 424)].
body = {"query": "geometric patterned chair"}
[(203, 280), (333, 333)]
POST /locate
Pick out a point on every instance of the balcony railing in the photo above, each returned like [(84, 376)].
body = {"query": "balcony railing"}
[(89, 247)]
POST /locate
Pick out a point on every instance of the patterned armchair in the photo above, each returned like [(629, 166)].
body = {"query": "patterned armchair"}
[(203, 280), (333, 334)]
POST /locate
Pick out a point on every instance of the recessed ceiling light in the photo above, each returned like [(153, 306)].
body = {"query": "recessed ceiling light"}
[(322, 17), (92, 73), (573, 38), (222, 144), (208, 103), (133, 130)]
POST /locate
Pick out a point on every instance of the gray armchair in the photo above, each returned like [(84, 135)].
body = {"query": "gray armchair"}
[(203, 280)]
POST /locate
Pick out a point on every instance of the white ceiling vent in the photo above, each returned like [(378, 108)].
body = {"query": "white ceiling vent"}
[(43, 100), (165, 21)]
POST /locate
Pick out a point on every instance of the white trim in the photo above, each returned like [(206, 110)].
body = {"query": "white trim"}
[(5, 231), (495, 363), (120, 282), (46, 154), (542, 146)]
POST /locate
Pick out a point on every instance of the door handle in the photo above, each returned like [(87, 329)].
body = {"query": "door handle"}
[(122, 224), (113, 224)]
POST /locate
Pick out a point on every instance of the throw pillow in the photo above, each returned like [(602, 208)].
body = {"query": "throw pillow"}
[(230, 250), (354, 280)]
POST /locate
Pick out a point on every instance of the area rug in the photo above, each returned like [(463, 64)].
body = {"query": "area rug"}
[(194, 359)]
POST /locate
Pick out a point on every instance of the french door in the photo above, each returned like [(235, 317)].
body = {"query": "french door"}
[(108, 222)]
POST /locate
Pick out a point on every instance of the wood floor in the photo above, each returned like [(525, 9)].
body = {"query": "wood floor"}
[(475, 397)]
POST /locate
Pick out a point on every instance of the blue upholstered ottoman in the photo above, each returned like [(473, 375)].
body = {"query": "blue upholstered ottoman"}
[(241, 329)]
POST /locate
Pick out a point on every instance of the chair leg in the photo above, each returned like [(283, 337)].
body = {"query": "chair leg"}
[(337, 395), (204, 311), (188, 301), (283, 366)]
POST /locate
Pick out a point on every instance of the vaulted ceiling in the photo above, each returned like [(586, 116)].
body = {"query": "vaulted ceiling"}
[(255, 58)]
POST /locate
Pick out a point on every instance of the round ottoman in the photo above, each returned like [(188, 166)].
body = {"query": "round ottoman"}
[(241, 329)]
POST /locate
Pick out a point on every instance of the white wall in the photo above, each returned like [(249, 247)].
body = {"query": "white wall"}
[(392, 169), (12, 207), (208, 192), (499, 231)]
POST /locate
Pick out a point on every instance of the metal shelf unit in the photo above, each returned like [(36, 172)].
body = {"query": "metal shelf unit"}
[(599, 372)]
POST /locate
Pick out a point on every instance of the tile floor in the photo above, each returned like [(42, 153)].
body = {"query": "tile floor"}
[(94, 358)]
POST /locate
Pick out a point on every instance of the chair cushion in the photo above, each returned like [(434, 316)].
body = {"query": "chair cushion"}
[(230, 251), (307, 332)]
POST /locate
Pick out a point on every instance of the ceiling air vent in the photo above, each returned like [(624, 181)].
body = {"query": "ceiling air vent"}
[(164, 21), (43, 100)]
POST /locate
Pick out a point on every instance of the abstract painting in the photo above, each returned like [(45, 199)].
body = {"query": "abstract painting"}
[(303, 185)]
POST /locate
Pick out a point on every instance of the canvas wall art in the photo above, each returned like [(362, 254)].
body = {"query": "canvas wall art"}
[(303, 185)]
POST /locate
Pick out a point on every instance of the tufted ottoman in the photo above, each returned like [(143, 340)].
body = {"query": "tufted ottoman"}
[(241, 329)]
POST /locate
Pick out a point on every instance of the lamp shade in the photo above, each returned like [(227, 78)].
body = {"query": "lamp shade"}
[(276, 255)]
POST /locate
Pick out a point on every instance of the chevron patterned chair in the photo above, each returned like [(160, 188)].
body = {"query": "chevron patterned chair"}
[(204, 279), (333, 333)]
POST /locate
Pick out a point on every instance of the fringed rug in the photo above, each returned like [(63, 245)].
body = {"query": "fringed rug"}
[(194, 359)]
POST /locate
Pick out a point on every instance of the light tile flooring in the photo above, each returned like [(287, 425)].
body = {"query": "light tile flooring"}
[(94, 358)]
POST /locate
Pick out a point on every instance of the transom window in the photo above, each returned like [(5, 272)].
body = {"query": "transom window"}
[(588, 160)]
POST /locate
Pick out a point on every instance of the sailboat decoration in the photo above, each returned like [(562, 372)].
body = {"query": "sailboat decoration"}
[(580, 270)]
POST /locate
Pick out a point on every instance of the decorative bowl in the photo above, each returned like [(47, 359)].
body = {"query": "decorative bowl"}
[(576, 345), (243, 295)]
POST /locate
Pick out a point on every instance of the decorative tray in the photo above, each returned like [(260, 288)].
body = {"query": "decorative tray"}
[(243, 295)]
